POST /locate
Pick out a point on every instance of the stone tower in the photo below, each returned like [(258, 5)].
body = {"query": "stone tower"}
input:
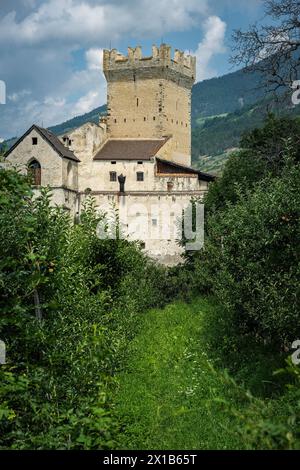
[(150, 97)]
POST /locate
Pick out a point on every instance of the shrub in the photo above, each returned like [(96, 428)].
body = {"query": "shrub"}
[(69, 304), (251, 258), (262, 154)]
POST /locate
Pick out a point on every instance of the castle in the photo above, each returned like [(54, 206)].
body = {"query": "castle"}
[(137, 157)]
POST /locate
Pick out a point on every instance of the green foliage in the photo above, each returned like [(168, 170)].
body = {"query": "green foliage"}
[(251, 258), (250, 262), (270, 424), (69, 305), (3, 150), (264, 154), (241, 172)]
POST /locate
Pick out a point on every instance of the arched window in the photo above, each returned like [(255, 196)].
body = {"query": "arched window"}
[(34, 172)]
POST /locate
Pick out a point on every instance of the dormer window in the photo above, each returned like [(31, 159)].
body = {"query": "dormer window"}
[(34, 140)]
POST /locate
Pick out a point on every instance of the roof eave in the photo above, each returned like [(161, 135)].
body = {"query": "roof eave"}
[(201, 176), (39, 130)]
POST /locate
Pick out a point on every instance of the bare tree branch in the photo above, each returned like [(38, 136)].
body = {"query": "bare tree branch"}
[(273, 49)]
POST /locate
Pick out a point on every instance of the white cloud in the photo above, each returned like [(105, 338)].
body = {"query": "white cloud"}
[(59, 102), (212, 44), (73, 20), (16, 96), (94, 58), (91, 100)]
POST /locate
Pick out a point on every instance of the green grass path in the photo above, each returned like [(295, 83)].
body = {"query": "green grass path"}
[(168, 393)]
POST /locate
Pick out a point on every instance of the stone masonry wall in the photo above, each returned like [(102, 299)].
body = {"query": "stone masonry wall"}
[(51, 163), (151, 97)]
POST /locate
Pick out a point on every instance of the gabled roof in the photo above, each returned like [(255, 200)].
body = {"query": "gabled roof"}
[(52, 140), (129, 149), (165, 167)]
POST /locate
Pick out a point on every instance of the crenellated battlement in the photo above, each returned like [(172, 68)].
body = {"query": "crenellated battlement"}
[(161, 58)]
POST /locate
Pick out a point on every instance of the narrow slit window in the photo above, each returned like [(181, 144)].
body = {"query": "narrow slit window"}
[(113, 176)]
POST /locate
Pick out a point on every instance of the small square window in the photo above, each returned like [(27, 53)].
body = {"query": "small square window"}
[(140, 163), (113, 176), (34, 140), (140, 176), (113, 163), (154, 222)]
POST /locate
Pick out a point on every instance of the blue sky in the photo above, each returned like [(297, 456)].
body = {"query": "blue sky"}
[(51, 50)]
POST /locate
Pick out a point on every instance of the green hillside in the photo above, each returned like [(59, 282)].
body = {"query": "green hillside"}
[(225, 94), (214, 137), (92, 116)]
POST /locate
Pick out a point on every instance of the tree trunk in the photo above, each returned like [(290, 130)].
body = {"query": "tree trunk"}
[(37, 305)]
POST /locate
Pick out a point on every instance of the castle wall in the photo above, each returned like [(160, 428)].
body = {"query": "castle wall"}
[(85, 140), (95, 175), (66, 198), (151, 219), (69, 174)]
